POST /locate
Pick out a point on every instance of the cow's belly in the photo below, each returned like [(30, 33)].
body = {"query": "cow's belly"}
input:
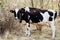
[(35, 19), (38, 23)]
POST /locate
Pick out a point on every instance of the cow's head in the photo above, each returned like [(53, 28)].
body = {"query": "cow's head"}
[(16, 13)]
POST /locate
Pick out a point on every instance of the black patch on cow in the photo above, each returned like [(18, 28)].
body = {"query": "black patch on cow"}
[(36, 17), (22, 10), (25, 17), (15, 14), (21, 14), (29, 25), (50, 13), (55, 15), (18, 14), (50, 18), (36, 9)]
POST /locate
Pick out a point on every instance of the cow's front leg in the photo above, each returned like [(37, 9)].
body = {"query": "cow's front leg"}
[(28, 29)]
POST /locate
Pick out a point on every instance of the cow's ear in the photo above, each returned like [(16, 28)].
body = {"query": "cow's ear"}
[(12, 11)]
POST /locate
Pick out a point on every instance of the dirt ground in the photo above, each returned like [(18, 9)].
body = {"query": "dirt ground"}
[(35, 34)]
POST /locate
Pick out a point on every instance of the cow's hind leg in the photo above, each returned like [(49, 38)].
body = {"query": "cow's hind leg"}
[(53, 29)]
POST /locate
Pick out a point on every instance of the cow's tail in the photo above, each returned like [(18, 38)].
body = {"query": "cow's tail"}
[(55, 15)]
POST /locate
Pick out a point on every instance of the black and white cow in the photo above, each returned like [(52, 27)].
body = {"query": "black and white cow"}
[(35, 15)]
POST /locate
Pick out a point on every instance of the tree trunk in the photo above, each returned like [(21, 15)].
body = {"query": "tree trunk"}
[(52, 3), (32, 3), (59, 7), (41, 4)]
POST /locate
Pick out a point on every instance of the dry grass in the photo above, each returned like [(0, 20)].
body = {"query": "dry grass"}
[(11, 29)]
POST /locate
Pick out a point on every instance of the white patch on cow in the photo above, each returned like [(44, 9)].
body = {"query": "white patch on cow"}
[(51, 10), (28, 30), (27, 9), (16, 10), (45, 16)]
